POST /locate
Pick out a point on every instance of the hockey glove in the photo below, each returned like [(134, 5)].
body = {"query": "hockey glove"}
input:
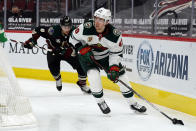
[(30, 43), (113, 73), (57, 51), (85, 54)]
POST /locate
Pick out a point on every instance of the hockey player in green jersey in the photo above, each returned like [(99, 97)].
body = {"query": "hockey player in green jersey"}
[(57, 39), (100, 40), (2, 34)]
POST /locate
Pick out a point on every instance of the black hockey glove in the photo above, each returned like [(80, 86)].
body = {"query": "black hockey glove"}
[(30, 43), (57, 51)]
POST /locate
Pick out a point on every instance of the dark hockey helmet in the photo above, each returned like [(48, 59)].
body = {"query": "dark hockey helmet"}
[(66, 21)]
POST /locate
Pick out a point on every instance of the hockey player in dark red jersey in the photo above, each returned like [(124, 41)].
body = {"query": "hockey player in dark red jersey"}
[(57, 39)]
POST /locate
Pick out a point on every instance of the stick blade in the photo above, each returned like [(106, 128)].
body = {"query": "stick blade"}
[(176, 121), (13, 40)]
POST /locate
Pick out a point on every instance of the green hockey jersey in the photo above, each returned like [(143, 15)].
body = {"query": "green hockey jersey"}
[(3, 38)]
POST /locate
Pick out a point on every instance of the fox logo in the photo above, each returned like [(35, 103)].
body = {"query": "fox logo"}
[(171, 6)]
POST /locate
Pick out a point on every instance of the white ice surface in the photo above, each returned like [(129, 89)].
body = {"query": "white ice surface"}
[(71, 110)]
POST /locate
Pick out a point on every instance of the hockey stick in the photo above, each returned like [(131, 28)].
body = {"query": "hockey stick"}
[(50, 50), (128, 69), (174, 120), (35, 45)]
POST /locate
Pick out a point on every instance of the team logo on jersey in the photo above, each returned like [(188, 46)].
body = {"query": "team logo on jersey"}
[(42, 30), (34, 32), (88, 25), (51, 31), (58, 41), (77, 30), (99, 45), (116, 32), (90, 39)]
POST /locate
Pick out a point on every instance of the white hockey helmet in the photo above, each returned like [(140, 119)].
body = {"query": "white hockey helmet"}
[(103, 13)]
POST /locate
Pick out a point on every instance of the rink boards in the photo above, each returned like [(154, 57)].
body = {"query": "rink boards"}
[(163, 68)]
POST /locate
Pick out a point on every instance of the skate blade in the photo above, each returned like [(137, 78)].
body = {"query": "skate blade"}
[(140, 113), (106, 115), (85, 93)]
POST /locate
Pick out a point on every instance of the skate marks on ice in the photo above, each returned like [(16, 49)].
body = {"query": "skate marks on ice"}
[(54, 123), (73, 111)]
